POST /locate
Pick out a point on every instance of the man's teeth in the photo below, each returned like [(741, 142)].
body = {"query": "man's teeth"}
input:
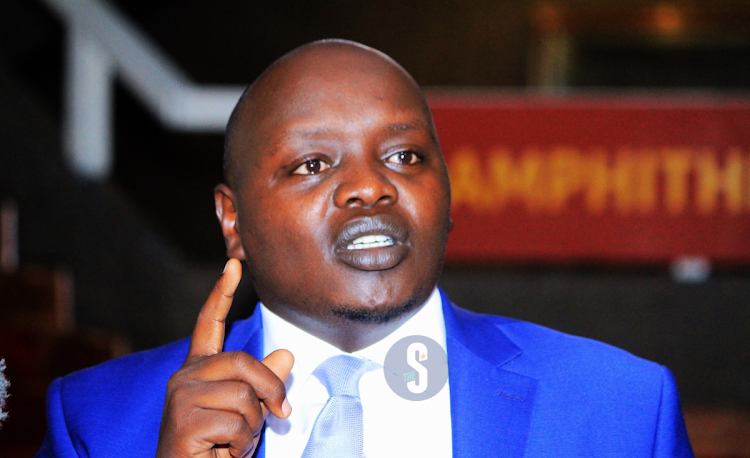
[(370, 241)]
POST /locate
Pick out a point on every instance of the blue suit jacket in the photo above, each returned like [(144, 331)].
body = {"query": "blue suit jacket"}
[(517, 389)]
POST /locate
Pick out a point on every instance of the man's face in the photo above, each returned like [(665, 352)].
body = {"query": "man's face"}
[(343, 208)]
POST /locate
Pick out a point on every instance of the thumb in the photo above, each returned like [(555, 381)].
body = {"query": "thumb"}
[(280, 362)]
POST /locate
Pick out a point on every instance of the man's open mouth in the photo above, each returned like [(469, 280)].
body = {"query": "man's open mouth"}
[(376, 242)]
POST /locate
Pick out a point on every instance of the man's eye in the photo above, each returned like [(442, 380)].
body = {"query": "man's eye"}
[(403, 158), (311, 167)]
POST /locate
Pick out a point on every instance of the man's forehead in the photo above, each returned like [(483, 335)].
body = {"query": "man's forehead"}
[(313, 107), (301, 131), (283, 101)]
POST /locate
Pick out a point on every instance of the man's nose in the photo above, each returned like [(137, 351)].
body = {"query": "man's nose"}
[(364, 186)]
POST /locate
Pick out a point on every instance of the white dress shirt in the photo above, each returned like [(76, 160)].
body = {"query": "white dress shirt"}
[(393, 426)]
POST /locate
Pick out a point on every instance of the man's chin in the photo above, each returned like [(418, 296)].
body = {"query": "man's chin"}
[(376, 315)]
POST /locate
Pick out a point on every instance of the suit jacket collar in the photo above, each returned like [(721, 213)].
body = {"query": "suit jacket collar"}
[(491, 407), (247, 336)]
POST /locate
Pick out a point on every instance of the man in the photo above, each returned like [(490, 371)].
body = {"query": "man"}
[(338, 199)]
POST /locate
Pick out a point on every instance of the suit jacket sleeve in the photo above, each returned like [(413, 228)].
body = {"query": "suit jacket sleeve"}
[(57, 443), (671, 435)]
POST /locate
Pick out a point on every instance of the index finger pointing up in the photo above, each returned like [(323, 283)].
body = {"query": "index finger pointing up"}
[(208, 336)]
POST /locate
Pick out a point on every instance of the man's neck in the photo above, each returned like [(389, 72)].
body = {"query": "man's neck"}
[(345, 334)]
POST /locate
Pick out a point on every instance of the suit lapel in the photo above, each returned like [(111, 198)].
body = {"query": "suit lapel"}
[(247, 336), (490, 407)]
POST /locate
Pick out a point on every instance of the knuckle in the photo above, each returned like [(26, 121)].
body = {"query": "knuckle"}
[(172, 385), (255, 419), (184, 395), (179, 396), (183, 375), (237, 426), (238, 360), (174, 381), (256, 424), (254, 403), (248, 402), (244, 393)]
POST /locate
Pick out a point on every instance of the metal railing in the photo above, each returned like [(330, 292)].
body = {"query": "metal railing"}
[(103, 45)]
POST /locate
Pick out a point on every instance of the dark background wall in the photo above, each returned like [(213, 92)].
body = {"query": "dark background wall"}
[(144, 247)]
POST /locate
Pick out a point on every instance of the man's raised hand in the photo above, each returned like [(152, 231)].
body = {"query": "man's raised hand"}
[(217, 402)]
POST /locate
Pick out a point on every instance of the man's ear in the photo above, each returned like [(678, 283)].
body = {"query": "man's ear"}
[(227, 214)]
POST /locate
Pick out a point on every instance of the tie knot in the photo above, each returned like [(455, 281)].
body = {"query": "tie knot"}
[(340, 374)]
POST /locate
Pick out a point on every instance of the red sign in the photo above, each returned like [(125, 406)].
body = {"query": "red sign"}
[(614, 179)]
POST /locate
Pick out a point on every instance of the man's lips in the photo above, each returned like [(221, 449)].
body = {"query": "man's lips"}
[(372, 243)]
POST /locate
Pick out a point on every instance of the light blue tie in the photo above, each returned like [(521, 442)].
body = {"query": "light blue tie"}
[(338, 431)]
